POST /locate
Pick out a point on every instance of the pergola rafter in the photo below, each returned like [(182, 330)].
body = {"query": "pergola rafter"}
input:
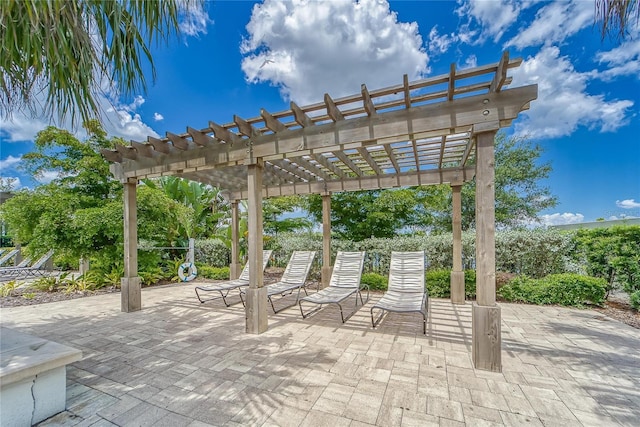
[(423, 132)]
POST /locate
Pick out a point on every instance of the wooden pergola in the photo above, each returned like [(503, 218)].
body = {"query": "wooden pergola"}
[(423, 132)]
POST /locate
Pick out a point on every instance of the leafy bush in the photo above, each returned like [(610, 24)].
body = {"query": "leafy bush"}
[(563, 289), (213, 252), (214, 273), (536, 253), (376, 282), (438, 283), (635, 300), (6, 290), (613, 254)]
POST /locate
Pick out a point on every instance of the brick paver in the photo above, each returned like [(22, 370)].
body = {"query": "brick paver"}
[(181, 363)]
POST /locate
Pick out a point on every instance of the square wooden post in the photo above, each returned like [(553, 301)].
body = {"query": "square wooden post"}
[(130, 295), (457, 274), (256, 309), (326, 239), (486, 322), (234, 267)]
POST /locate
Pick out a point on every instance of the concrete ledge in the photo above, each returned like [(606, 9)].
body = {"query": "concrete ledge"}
[(32, 377)]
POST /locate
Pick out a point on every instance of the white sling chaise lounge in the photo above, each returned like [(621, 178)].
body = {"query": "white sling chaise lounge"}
[(225, 287), (293, 278), (345, 281), (406, 292)]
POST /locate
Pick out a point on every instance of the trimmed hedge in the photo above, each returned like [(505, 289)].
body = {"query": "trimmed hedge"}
[(214, 273), (376, 282), (212, 252), (563, 289), (438, 283)]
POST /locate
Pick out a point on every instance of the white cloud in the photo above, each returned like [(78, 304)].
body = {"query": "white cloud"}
[(439, 44), (16, 184), (158, 117), (118, 120), (47, 176), (9, 162), (563, 103), (194, 21), (308, 48), (470, 62), (562, 218), (554, 23), (624, 60), (493, 18), (628, 204)]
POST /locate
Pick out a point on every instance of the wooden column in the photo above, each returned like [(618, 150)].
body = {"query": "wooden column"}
[(457, 274), (326, 239), (486, 333), (234, 267), (256, 308), (130, 295)]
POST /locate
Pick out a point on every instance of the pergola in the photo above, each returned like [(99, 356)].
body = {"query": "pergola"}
[(423, 132)]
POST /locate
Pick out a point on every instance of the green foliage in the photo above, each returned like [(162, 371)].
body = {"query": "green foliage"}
[(438, 283), (213, 252), (634, 298), (366, 214), (273, 211), (29, 295), (45, 284), (536, 253), (376, 282), (613, 254), (7, 289), (562, 289), (214, 273), (69, 50), (207, 209)]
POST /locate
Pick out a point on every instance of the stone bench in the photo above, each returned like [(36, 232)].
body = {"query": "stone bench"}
[(33, 383)]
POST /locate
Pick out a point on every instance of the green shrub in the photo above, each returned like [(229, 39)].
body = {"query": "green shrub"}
[(470, 284), (613, 254), (563, 289), (214, 273), (438, 283), (635, 300), (376, 282), (213, 252)]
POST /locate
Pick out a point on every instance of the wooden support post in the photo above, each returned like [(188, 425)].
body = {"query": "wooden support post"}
[(234, 268), (486, 333), (84, 266), (256, 308), (457, 274), (131, 299), (326, 239)]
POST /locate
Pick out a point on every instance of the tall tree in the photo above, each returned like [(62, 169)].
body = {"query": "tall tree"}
[(614, 16), (386, 213), (209, 209), (74, 50), (519, 192)]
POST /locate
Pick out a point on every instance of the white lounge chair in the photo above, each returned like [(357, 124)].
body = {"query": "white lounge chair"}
[(293, 278), (225, 287), (9, 255), (24, 270), (406, 292), (345, 281)]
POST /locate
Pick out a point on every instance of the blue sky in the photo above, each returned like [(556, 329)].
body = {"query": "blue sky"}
[(239, 56)]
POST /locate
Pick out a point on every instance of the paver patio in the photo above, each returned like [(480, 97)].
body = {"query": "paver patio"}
[(181, 363)]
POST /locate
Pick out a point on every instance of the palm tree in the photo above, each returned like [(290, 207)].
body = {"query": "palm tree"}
[(75, 50), (614, 16)]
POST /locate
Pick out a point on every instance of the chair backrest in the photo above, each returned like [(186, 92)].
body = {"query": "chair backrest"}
[(24, 263), (406, 272), (8, 256), (42, 261), (347, 270), (266, 255), (298, 267)]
